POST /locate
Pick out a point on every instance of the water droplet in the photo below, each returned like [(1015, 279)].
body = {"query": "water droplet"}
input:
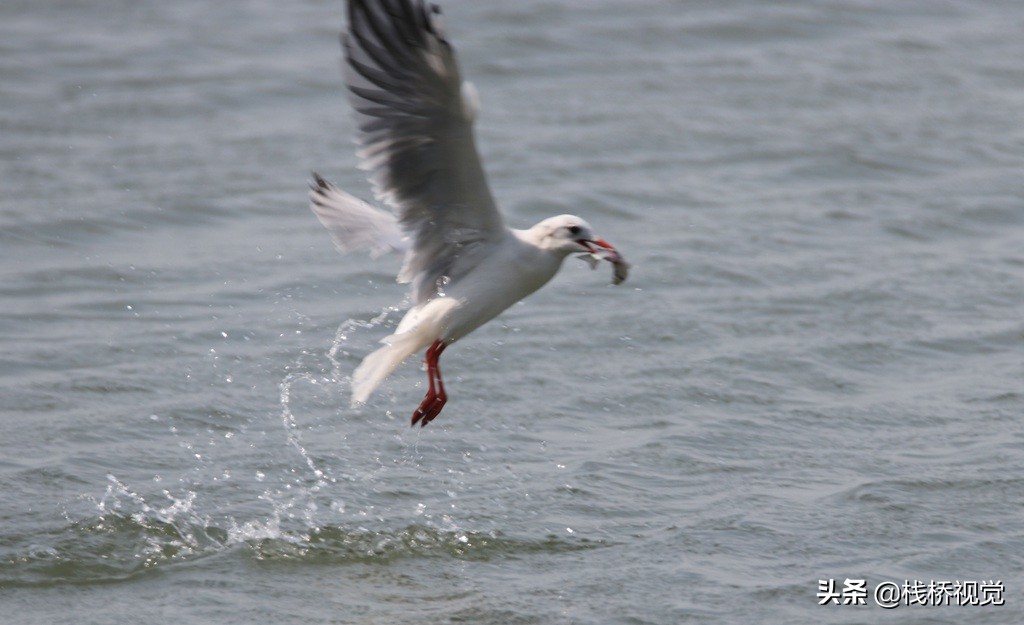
[(441, 284)]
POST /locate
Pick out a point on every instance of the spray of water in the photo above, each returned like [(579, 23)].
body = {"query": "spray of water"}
[(309, 496)]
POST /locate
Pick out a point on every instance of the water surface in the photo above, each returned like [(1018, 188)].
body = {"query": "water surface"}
[(814, 372)]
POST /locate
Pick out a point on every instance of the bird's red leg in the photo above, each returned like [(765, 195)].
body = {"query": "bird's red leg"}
[(435, 399), (441, 397)]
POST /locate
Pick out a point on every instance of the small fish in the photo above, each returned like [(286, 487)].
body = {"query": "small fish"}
[(591, 258), (620, 271), (620, 267)]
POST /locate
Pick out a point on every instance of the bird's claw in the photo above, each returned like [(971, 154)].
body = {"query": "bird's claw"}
[(428, 409), (425, 416)]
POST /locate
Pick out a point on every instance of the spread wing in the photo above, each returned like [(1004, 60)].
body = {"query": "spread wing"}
[(414, 118)]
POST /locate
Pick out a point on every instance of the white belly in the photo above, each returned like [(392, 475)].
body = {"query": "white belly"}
[(499, 281)]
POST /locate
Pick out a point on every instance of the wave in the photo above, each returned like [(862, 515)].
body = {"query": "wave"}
[(120, 547)]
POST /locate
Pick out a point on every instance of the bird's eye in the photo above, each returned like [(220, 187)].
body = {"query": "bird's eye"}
[(574, 230)]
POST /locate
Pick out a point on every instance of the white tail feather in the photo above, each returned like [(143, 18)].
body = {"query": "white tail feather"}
[(377, 366)]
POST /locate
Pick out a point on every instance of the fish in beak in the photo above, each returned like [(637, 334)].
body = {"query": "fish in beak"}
[(598, 250)]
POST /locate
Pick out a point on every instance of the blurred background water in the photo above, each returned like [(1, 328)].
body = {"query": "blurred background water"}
[(814, 372)]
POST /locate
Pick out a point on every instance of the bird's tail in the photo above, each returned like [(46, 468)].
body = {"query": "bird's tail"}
[(377, 366)]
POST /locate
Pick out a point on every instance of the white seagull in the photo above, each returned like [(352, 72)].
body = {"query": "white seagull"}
[(414, 116)]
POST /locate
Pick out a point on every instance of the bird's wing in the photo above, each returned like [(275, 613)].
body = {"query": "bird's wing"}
[(352, 223), (414, 117)]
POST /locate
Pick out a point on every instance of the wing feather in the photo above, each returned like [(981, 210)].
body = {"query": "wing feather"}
[(416, 137), (352, 223)]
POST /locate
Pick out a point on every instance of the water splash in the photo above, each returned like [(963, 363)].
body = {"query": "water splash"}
[(292, 431), (349, 504), (131, 534), (441, 284), (299, 498), (340, 345)]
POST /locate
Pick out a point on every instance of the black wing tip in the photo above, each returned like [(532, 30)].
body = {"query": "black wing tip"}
[(410, 18), (319, 184), (428, 11)]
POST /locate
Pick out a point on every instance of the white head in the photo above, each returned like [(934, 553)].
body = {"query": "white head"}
[(568, 234)]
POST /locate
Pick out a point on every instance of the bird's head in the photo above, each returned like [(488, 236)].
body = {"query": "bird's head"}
[(569, 234)]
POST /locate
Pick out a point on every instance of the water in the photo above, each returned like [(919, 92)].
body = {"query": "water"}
[(814, 372)]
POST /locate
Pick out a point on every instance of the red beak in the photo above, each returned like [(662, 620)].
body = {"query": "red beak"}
[(601, 248)]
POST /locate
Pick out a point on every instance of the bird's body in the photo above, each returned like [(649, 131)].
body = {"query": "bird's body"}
[(415, 120)]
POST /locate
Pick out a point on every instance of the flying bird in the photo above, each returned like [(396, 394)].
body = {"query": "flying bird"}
[(414, 116)]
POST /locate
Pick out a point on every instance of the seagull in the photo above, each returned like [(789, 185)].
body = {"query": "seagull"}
[(414, 118)]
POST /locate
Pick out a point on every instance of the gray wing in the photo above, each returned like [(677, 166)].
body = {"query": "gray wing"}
[(415, 118)]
